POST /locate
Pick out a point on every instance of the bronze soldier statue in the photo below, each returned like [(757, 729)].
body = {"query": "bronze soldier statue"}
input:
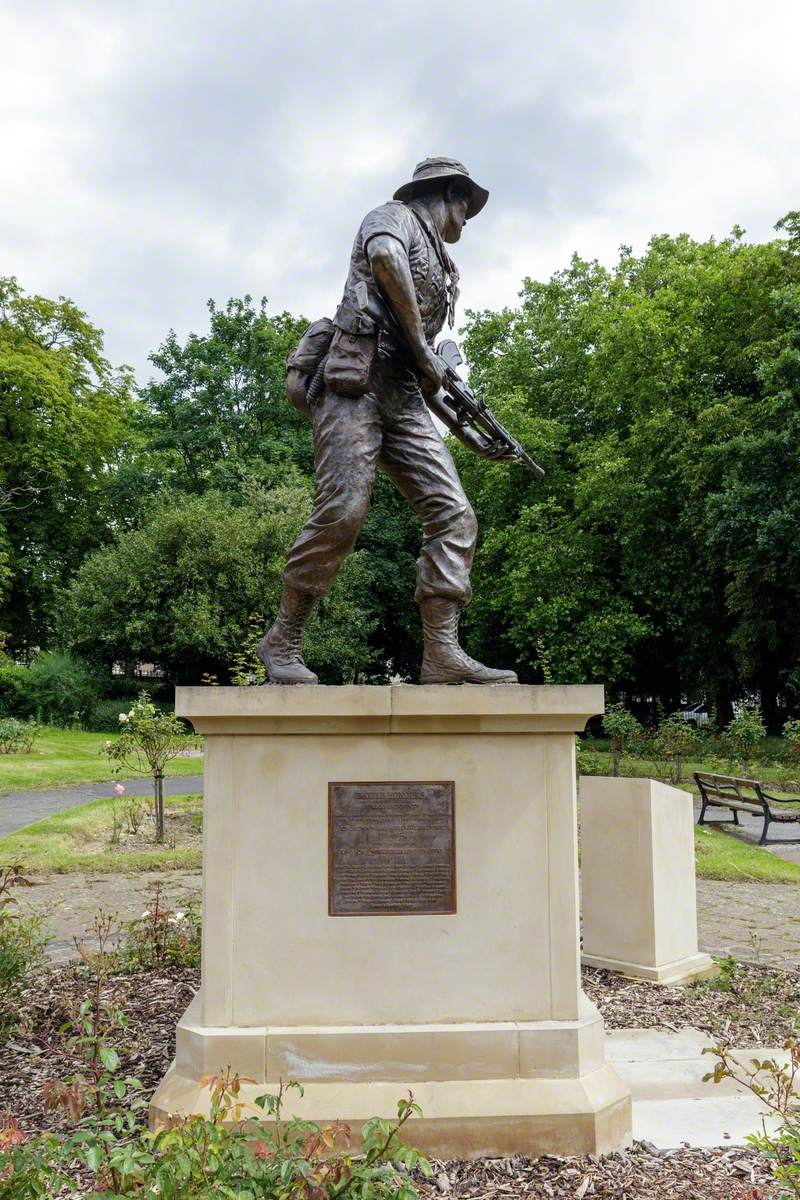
[(369, 401)]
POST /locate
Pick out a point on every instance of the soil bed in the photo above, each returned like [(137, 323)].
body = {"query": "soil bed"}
[(153, 1002), (183, 830)]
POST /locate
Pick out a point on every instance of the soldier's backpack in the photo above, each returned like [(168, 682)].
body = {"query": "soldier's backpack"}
[(305, 365)]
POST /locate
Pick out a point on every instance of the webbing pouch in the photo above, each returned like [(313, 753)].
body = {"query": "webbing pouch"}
[(351, 358)]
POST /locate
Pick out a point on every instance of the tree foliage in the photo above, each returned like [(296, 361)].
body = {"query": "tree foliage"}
[(659, 555), (660, 552), (183, 588), (217, 419), (62, 419), (218, 413)]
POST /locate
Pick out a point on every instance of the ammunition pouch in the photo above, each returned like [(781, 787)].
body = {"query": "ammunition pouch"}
[(353, 349)]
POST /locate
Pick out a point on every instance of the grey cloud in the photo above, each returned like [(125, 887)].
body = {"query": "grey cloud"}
[(201, 126)]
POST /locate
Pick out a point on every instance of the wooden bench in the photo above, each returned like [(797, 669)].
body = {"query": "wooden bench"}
[(746, 795)]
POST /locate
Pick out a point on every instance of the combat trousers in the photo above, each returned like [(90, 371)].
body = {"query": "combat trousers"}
[(390, 427)]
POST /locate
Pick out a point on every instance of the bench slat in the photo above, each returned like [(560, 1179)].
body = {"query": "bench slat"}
[(725, 791)]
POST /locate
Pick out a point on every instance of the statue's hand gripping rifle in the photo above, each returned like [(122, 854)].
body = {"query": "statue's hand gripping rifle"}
[(474, 413), (469, 410)]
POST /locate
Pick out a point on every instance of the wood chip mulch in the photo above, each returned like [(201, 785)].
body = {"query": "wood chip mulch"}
[(640, 1173), (762, 1010), (154, 1001)]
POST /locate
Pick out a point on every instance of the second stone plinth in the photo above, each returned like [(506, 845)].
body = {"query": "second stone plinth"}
[(638, 880)]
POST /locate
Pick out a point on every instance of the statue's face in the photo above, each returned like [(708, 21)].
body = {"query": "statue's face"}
[(456, 208)]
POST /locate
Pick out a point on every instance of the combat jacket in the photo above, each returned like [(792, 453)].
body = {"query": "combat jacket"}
[(432, 270)]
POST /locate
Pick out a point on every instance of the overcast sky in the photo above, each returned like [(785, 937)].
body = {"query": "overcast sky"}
[(153, 155)]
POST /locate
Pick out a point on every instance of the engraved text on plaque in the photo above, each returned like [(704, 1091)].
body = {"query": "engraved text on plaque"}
[(391, 848)]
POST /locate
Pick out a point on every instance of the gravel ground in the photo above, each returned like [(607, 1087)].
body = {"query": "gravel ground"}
[(153, 1002)]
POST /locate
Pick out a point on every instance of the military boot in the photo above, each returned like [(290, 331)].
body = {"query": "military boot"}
[(443, 660), (281, 650)]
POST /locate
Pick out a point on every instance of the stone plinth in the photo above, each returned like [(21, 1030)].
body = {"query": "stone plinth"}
[(479, 1011), (638, 880)]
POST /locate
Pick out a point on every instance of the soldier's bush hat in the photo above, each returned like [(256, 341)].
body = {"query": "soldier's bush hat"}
[(434, 170)]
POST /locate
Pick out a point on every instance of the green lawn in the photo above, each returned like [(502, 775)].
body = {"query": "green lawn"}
[(78, 840), (64, 756), (720, 856)]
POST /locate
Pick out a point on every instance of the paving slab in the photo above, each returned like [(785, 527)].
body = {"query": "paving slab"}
[(672, 1105), (755, 922), (69, 902)]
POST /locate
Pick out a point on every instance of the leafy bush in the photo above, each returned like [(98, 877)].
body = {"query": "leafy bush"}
[(200, 1158), (162, 936), (791, 749), (13, 689), (585, 758), (17, 737), (59, 685), (745, 736), (671, 743), (103, 717), (622, 727), (777, 1086), (182, 588), (21, 947)]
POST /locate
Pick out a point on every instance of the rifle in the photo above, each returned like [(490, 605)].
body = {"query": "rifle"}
[(470, 411), (475, 413)]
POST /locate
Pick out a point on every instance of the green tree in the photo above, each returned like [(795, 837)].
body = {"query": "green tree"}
[(218, 415), (148, 740), (652, 393), (182, 589), (63, 412), (621, 726), (791, 737), (752, 520), (671, 743)]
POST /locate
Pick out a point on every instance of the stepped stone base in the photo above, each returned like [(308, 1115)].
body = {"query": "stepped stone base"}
[(455, 970)]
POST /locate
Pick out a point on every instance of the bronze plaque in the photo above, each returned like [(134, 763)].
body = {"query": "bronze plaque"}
[(391, 848)]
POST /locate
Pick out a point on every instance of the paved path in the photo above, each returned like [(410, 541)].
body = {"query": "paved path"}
[(673, 1105), (753, 921), (759, 922), (69, 902), (24, 808)]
